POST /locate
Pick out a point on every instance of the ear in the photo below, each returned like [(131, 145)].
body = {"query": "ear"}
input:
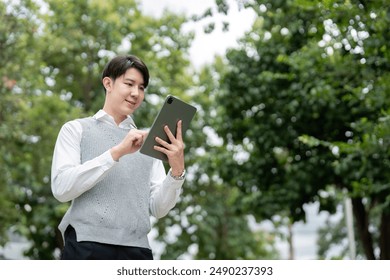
[(107, 83)]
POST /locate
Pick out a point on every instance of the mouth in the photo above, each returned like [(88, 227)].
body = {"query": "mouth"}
[(132, 103)]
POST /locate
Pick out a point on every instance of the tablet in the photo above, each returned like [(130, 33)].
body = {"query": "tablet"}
[(171, 112)]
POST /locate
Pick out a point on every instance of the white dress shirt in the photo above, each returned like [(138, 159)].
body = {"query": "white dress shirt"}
[(70, 178)]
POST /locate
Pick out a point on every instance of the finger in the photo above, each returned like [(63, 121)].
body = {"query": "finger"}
[(138, 140), (161, 149), (162, 142), (169, 134), (179, 135)]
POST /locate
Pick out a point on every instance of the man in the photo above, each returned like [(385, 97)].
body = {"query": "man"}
[(113, 187)]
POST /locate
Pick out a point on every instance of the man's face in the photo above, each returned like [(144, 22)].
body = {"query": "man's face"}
[(125, 94)]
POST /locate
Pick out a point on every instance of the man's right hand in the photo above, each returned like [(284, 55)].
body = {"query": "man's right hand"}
[(130, 144)]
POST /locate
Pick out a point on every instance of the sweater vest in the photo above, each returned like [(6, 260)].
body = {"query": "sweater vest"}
[(116, 210)]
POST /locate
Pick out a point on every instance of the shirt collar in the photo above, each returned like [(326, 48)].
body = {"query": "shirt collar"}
[(101, 115)]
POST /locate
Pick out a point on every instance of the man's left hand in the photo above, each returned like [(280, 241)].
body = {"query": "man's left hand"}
[(174, 150)]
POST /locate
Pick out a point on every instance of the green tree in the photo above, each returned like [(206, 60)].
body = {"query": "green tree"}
[(30, 119), (30, 166), (368, 156), (17, 29), (308, 74), (84, 35)]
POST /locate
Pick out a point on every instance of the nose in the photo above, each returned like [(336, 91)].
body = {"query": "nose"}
[(135, 91)]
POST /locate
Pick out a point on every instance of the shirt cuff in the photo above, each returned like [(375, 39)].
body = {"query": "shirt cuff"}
[(107, 161), (172, 182)]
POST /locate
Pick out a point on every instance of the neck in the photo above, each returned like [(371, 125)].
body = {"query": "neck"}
[(117, 118)]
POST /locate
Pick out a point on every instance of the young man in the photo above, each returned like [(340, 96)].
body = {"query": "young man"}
[(113, 187)]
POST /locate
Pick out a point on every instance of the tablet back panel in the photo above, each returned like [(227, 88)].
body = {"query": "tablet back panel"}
[(171, 112)]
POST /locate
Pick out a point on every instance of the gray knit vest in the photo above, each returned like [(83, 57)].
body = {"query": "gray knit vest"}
[(116, 210)]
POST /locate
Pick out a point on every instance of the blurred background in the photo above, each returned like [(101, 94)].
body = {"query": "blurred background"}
[(287, 157)]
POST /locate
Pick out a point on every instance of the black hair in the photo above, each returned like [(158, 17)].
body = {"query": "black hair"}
[(118, 66)]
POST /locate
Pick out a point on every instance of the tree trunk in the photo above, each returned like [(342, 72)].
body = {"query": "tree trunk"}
[(362, 223), (291, 254), (384, 241)]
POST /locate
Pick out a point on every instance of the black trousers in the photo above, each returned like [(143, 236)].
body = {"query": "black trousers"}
[(87, 250)]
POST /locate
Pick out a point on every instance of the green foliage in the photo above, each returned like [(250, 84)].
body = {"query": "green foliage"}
[(330, 235), (84, 35), (333, 244), (17, 29), (303, 97), (28, 163), (210, 228)]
